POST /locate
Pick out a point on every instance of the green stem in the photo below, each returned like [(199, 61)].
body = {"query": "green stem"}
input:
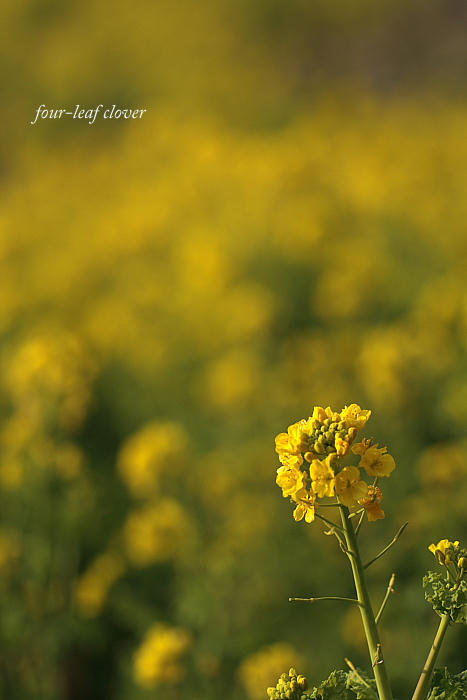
[(423, 685), (368, 617), (383, 551), (327, 597), (390, 590)]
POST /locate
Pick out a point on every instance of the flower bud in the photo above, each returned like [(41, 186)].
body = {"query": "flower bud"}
[(440, 557)]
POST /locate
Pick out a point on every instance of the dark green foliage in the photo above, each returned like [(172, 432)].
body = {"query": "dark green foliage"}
[(447, 687), (446, 598)]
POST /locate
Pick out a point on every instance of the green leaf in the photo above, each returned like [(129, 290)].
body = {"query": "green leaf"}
[(445, 597), (363, 687), (447, 687), (335, 687), (346, 686)]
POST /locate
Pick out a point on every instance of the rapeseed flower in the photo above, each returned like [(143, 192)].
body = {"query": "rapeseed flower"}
[(306, 505), (375, 460), (323, 440), (290, 480), (371, 503), (349, 487), (322, 476)]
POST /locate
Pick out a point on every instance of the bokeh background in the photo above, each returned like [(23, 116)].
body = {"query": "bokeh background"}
[(285, 227)]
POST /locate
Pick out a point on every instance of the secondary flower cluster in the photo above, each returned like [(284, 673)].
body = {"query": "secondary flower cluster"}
[(449, 553), (447, 592), (289, 687), (311, 453)]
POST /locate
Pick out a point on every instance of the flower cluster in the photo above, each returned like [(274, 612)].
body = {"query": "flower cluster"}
[(447, 592), (311, 454), (289, 686), (450, 553)]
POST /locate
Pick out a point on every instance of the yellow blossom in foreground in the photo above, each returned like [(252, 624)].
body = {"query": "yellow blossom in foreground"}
[(361, 447), (377, 462), (323, 477), (290, 480), (349, 487), (371, 503), (158, 659), (306, 506), (343, 443), (354, 416)]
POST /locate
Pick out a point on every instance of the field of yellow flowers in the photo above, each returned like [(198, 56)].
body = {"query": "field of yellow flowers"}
[(172, 292)]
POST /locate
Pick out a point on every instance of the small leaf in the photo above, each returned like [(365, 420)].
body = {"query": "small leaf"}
[(447, 687)]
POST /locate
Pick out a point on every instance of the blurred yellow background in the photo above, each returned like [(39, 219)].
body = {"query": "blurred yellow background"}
[(284, 227)]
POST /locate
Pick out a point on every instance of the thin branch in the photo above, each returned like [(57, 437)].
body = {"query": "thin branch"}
[(357, 529), (352, 668), (390, 590), (327, 597), (329, 522), (383, 551)]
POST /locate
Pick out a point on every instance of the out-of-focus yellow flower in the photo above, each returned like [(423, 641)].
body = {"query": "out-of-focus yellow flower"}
[(159, 658), (262, 668), (371, 503), (290, 480), (306, 505), (93, 586), (52, 369), (158, 448), (349, 487), (354, 416), (377, 462), (323, 477), (155, 532)]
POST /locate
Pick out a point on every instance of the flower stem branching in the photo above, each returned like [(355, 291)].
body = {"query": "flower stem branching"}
[(390, 590), (326, 597), (383, 551)]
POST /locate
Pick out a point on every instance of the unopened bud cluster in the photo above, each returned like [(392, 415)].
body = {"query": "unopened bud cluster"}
[(289, 687)]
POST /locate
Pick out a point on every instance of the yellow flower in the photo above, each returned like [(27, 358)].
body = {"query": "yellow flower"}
[(306, 506), (290, 480), (349, 487), (323, 477), (319, 414), (371, 503), (443, 549), (361, 447), (343, 443), (290, 460), (93, 586), (283, 444), (158, 659), (298, 436), (354, 416), (377, 462)]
